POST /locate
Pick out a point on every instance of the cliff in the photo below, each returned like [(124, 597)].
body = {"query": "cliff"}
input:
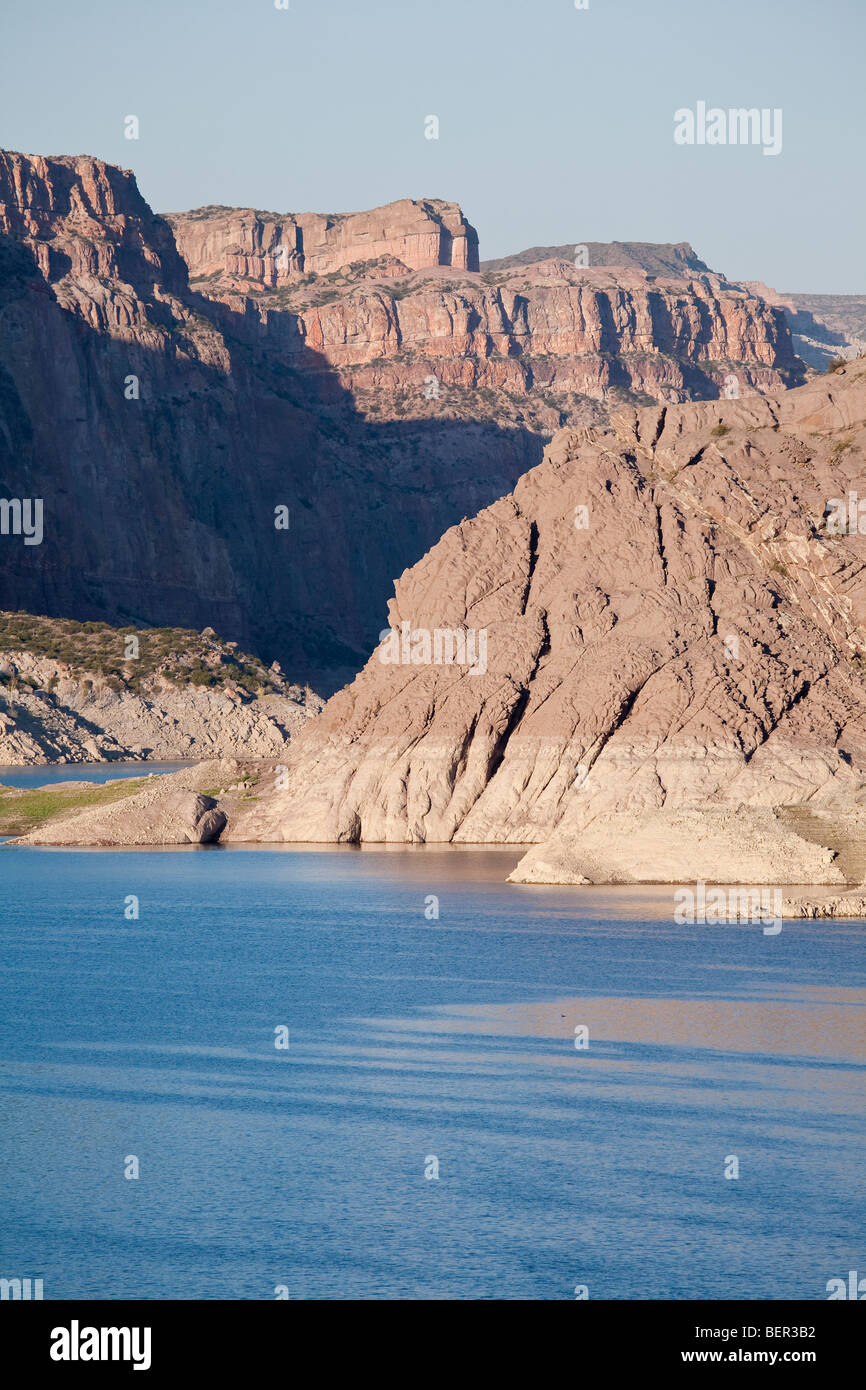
[(263, 452), (393, 314), (825, 328), (644, 664), (272, 248), (662, 661)]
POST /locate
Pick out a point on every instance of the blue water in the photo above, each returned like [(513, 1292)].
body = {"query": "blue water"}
[(41, 776), (414, 1039)]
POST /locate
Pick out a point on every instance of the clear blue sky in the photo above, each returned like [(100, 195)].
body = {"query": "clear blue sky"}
[(556, 125)]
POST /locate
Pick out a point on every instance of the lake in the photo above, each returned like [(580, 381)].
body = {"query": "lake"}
[(417, 1046), (43, 776)]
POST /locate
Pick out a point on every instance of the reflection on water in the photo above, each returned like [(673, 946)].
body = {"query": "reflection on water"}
[(815, 1023), (410, 1039)]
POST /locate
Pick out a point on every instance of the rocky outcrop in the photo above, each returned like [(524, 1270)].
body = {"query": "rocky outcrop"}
[(659, 619), (168, 811), (197, 697), (372, 397), (80, 217), (825, 328), (273, 248), (82, 720)]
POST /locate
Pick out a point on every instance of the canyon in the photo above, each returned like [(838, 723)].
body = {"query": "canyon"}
[(169, 386), (675, 639)]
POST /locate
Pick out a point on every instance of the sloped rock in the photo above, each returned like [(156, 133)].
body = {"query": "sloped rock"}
[(668, 624), (165, 812)]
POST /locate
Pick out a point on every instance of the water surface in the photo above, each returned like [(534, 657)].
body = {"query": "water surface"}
[(43, 775), (413, 1039)]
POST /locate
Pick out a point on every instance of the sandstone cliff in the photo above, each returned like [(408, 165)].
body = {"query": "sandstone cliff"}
[(825, 328), (274, 248), (376, 393)]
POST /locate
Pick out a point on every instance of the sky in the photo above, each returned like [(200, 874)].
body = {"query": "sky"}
[(555, 124)]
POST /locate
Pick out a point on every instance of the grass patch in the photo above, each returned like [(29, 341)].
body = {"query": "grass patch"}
[(24, 808), (842, 446)]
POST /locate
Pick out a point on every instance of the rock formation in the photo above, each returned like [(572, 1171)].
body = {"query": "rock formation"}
[(550, 330), (168, 810), (198, 698), (274, 248), (664, 620), (646, 664), (369, 384), (825, 328), (162, 430)]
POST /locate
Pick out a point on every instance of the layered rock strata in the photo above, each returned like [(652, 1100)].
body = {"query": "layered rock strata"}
[(660, 620)]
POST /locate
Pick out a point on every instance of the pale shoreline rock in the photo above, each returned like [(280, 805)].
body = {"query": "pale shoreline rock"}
[(740, 844), (173, 809), (851, 906)]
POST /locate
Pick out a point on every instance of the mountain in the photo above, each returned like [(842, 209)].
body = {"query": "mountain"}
[(645, 664), (662, 675), (675, 260), (260, 433)]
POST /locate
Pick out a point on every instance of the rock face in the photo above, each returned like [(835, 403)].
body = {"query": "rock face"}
[(81, 719), (273, 248), (82, 218), (824, 327), (532, 331), (369, 386), (660, 618)]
